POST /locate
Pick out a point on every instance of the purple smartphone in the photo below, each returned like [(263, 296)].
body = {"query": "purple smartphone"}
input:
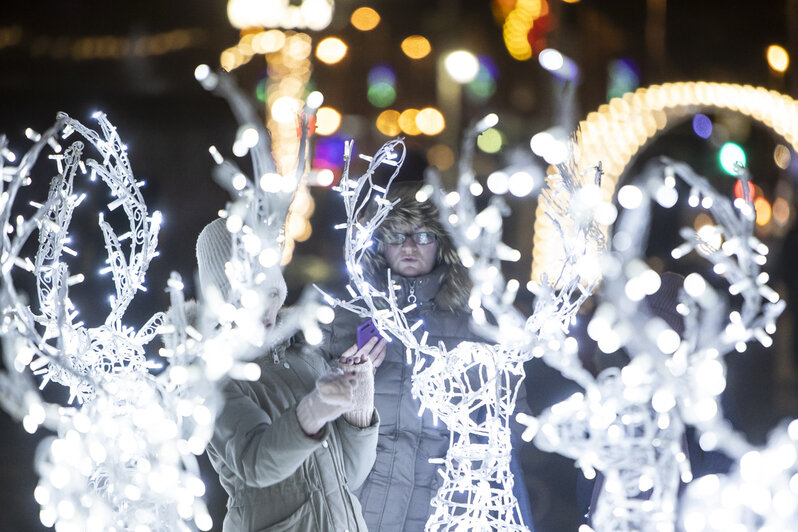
[(365, 332)]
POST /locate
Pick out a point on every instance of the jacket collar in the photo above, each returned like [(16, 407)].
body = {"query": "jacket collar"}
[(424, 287)]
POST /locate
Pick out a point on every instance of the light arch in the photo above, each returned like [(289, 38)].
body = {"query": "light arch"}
[(618, 130)]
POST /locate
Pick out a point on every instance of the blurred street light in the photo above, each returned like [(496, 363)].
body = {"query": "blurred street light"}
[(778, 58), (462, 66)]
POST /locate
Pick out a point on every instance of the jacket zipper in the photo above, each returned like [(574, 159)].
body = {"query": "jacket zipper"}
[(411, 297)]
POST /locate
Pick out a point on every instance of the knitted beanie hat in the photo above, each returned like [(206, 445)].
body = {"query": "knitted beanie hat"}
[(214, 249), (662, 303)]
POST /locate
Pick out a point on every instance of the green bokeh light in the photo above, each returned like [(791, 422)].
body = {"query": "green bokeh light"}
[(381, 94), (491, 140), (731, 153)]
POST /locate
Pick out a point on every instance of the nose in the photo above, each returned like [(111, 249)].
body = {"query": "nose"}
[(409, 242)]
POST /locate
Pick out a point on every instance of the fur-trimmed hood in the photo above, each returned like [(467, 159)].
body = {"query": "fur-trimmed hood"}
[(455, 284)]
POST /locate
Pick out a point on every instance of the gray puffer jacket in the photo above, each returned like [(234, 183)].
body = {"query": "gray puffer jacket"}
[(276, 477), (397, 493)]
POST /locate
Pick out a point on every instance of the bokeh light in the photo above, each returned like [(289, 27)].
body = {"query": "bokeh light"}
[(328, 120), (388, 123), (462, 66), (441, 157), (763, 211), (551, 59), (381, 85), (430, 121), (490, 141), (521, 184), (525, 27), (730, 156), (782, 156), (483, 86), (416, 47), (364, 18), (781, 212), (328, 152), (702, 126), (623, 76), (738, 189), (499, 182), (267, 42), (285, 109), (407, 122), (381, 94), (382, 73), (778, 58), (331, 50)]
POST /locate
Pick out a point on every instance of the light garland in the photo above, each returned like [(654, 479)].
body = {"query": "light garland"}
[(311, 14), (255, 217), (125, 458), (477, 237), (629, 424), (618, 130)]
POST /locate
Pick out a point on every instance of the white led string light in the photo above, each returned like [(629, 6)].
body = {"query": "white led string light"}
[(125, 457), (477, 490), (630, 424)]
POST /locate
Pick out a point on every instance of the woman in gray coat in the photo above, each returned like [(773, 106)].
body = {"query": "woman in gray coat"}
[(289, 447), (397, 494)]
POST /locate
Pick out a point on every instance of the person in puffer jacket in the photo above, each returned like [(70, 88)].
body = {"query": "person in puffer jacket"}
[(290, 446), (398, 491)]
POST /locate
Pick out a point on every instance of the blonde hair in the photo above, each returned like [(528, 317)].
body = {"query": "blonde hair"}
[(455, 284)]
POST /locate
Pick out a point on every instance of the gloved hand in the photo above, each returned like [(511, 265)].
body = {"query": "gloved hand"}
[(331, 397), (363, 398), (363, 362)]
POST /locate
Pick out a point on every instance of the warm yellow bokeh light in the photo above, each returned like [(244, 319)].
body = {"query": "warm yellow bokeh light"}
[(440, 156), (778, 58), (228, 59), (763, 211), (331, 50), (407, 122), (365, 18), (430, 121), (328, 120), (267, 42), (782, 156), (388, 123), (781, 211), (416, 47)]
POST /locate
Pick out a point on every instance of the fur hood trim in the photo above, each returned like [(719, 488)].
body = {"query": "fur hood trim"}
[(455, 285)]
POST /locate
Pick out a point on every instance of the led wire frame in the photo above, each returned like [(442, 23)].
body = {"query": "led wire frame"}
[(255, 216), (125, 456), (480, 466), (630, 423)]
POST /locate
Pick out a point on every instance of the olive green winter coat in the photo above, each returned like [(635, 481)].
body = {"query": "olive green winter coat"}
[(276, 477)]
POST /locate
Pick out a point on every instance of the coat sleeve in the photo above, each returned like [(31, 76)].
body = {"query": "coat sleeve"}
[(260, 449), (359, 447)]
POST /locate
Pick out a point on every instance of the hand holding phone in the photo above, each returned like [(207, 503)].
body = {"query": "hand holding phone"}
[(365, 332)]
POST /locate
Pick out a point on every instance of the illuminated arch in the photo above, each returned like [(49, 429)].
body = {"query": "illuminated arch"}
[(617, 131)]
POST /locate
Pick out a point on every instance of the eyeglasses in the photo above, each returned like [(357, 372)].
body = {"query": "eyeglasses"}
[(421, 238)]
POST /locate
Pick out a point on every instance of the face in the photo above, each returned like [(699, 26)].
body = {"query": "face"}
[(408, 258), (274, 291)]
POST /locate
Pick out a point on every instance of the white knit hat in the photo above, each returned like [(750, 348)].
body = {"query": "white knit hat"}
[(214, 249)]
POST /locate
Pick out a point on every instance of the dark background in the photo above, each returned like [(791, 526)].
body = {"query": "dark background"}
[(168, 122)]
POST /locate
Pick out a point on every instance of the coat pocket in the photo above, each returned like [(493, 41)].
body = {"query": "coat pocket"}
[(303, 518)]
